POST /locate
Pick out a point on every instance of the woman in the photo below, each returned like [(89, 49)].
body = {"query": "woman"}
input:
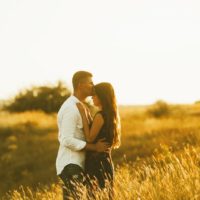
[(106, 124)]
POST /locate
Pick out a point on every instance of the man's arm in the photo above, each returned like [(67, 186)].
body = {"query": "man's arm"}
[(67, 130)]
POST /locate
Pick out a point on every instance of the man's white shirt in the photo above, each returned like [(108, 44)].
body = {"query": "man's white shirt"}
[(70, 136)]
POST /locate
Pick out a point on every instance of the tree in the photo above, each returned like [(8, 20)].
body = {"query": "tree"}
[(46, 98)]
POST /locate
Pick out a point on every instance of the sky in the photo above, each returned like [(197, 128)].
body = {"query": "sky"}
[(148, 49)]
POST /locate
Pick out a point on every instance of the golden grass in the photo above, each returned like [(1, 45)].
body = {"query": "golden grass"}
[(159, 157), (33, 117), (168, 177)]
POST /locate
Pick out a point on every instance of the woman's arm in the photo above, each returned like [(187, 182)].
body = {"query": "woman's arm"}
[(86, 128), (89, 116), (98, 122)]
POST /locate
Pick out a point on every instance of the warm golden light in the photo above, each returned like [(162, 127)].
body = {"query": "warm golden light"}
[(149, 50)]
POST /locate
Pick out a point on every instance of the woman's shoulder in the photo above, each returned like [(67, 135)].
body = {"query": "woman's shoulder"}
[(99, 113), (99, 116)]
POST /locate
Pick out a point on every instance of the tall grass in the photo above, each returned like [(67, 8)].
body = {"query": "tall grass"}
[(158, 158), (165, 177)]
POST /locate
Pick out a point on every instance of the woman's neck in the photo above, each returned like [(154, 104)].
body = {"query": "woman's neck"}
[(100, 108)]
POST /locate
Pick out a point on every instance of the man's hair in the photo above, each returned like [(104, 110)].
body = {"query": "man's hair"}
[(80, 77)]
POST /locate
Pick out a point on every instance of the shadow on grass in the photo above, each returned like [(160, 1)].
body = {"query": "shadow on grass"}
[(27, 156)]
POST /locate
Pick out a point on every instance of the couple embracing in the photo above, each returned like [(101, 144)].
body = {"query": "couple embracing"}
[(84, 155)]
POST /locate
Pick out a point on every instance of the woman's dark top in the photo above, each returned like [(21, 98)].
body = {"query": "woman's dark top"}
[(99, 165)]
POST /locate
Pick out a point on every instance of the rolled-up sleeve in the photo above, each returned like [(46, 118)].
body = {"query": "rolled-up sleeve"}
[(67, 131)]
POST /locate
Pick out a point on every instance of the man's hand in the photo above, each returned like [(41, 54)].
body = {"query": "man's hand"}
[(102, 146)]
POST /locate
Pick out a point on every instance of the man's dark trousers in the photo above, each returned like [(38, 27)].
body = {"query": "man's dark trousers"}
[(73, 178)]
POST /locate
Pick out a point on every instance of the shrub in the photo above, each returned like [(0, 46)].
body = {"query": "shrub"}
[(159, 109)]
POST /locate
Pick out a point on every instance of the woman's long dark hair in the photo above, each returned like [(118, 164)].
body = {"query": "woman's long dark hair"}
[(106, 95)]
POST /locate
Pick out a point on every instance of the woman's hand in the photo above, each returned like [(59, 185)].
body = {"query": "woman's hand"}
[(81, 108), (88, 114), (84, 112)]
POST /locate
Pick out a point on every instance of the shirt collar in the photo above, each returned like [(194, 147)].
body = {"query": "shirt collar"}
[(75, 99)]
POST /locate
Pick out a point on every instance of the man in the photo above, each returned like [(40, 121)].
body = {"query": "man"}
[(71, 154)]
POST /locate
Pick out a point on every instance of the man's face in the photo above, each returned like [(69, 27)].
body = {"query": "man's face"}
[(87, 87)]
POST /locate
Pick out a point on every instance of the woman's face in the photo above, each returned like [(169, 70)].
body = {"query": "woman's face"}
[(96, 100)]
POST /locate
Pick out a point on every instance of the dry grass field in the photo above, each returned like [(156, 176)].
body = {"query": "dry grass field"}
[(159, 157)]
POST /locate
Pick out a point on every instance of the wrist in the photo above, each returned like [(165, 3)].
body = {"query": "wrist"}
[(83, 115), (90, 147)]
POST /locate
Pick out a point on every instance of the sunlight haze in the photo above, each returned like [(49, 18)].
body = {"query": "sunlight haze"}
[(148, 50)]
